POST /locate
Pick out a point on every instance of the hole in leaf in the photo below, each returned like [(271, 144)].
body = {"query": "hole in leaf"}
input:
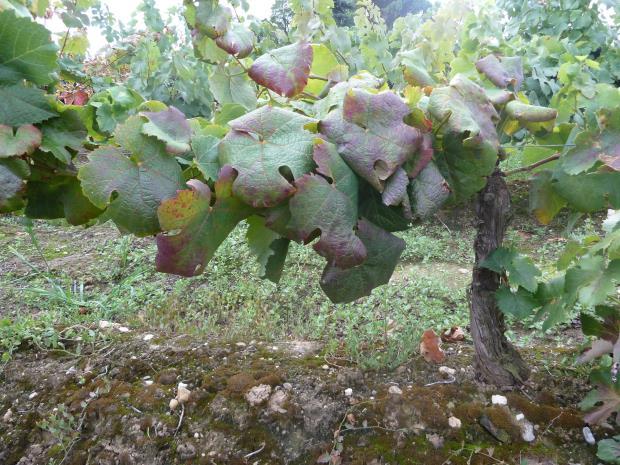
[(312, 236), (286, 173)]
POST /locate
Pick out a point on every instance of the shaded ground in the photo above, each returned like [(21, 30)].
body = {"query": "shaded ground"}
[(112, 407)]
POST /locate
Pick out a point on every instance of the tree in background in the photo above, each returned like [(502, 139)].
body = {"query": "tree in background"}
[(281, 15), (393, 9), (343, 12)]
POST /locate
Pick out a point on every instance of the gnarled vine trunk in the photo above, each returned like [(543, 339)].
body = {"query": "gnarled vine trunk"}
[(496, 360)]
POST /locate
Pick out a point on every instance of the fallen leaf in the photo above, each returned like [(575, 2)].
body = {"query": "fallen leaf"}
[(430, 347), (454, 334)]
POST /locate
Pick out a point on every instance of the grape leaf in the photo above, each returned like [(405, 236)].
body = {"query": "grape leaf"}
[(429, 191), (284, 70), (237, 40), (592, 147), (268, 246), (229, 84), (529, 113), (23, 141), (521, 270), (608, 450), (169, 126), (320, 208), (589, 192), (502, 71), (372, 208), (383, 252), (212, 19), (27, 51), (519, 304), (592, 280), (205, 148), (395, 192), (202, 226), (63, 133), (131, 187), (608, 397), (331, 165), (415, 68), (260, 147), (544, 201), (13, 172), (324, 64), (361, 131), (23, 105)]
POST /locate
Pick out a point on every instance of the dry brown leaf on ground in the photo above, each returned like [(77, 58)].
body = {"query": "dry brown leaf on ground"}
[(454, 334), (430, 347)]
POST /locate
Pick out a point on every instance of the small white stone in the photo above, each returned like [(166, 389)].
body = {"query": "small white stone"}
[(325, 367), (464, 271), (33, 395), (71, 371), (454, 422), (527, 432), (148, 382), (196, 435), (588, 436), (183, 393), (447, 371), (173, 404), (7, 416), (240, 344), (496, 399), (287, 386), (258, 394), (123, 329), (348, 392), (519, 416), (148, 337), (274, 348), (395, 390), (104, 324)]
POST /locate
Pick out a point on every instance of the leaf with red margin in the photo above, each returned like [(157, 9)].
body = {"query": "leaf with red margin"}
[(237, 41), (203, 227), (383, 251), (260, 145), (169, 126), (284, 70), (371, 135), (502, 71), (24, 140)]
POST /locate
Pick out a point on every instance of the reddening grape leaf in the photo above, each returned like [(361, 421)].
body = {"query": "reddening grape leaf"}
[(502, 71), (529, 113), (429, 191), (430, 347), (263, 145), (13, 172), (592, 147), (23, 105), (360, 132), (319, 208), (169, 126), (237, 41), (22, 141), (206, 150), (601, 402), (269, 248), (544, 201), (395, 192), (383, 252), (520, 304), (27, 51), (467, 112), (202, 227), (131, 188), (331, 165), (284, 70)]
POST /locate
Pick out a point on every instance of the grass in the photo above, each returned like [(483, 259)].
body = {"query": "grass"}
[(56, 277)]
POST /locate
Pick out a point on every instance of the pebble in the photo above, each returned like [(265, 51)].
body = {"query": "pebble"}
[(258, 394), (183, 393), (527, 432), (496, 399), (447, 371), (7, 416), (454, 422), (519, 416), (588, 436), (148, 382), (33, 395), (348, 392), (71, 371), (148, 337), (395, 390), (173, 404), (325, 367), (240, 344), (288, 386), (123, 329)]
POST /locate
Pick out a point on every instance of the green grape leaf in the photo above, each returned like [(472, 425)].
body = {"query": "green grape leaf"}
[(229, 84), (131, 187), (415, 68), (521, 270), (429, 191), (263, 145), (229, 112), (589, 192), (201, 226), (467, 112), (520, 304), (361, 130), (13, 173), (383, 252), (23, 105), (206, 149), (592, 280), (238, 41), (371, 207), (284, 70), (326, 65), (60, 197), (319, 208), (545, 203), (502, 71), (608, 450), (27, 51), (268, 246), (23, 141), (169, 126), (212, 19), (525, 113), (63, 133)]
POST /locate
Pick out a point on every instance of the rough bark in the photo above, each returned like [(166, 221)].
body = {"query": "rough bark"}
[(496, 360)]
